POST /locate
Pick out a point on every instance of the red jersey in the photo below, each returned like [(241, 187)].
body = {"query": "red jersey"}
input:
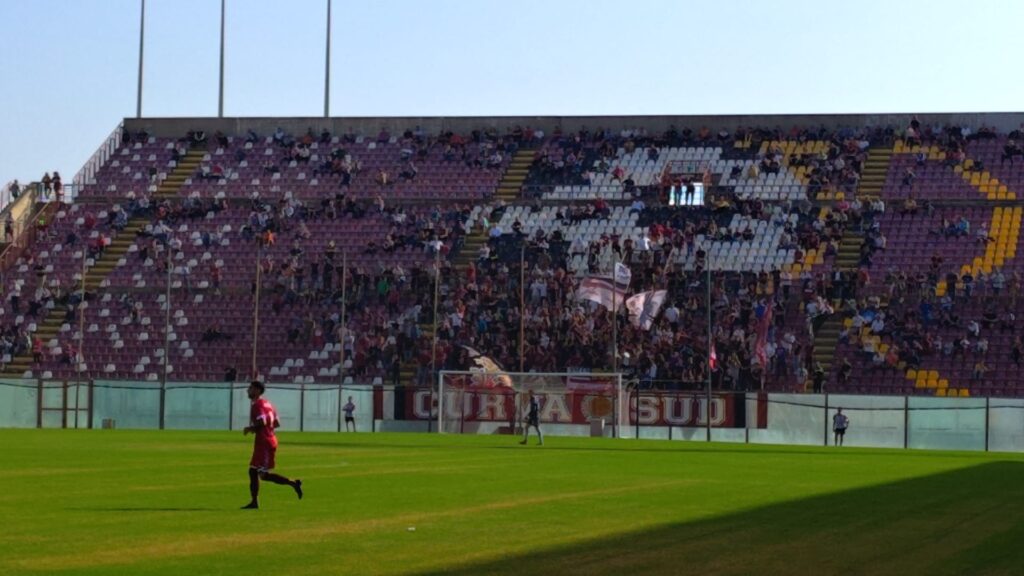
[(263, 415)]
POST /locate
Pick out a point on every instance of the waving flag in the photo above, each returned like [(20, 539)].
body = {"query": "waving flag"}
[(644, 307), (491, 375), (761, 346), (607, 292)]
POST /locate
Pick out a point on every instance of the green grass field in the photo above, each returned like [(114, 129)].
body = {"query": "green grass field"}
[(132, 502)]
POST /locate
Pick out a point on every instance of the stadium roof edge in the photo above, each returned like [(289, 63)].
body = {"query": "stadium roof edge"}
[(371, 125)]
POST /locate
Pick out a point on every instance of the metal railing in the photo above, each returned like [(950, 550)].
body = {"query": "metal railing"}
[(87, 174), (900, 422), (5, 194)]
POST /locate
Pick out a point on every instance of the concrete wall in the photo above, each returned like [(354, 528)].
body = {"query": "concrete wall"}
[(369, 126)]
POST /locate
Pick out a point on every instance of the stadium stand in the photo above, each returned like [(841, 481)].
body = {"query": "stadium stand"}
[(831, 252)]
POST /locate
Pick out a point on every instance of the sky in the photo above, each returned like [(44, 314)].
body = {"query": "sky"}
[(69, 68)]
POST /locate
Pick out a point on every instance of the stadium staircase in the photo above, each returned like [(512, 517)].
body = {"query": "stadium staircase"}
[(826, 337), (49, 326), (512, 182)]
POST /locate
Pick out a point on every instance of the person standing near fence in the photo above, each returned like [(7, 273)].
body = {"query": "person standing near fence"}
[(533, 419), (348, 409), (839, 425)]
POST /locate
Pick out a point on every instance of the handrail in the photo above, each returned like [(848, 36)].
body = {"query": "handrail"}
[(5, 194), (87, 174), (24, 228)]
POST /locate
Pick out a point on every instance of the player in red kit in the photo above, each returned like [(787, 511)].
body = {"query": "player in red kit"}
[(262, 421)]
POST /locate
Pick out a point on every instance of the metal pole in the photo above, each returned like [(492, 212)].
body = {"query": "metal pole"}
[(231, 405), (711, 345), (437, 285), (987, 413), (636, 413), (142, 35), (79, 357), (91, 390), (167, 335), (906, 422), (522, 306), (440, 403), (826, 420), (327, 66), (220, 98), (256, 313), (302, 407), (615, 317), (341, 357)]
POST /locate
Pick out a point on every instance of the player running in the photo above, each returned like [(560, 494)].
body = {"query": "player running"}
[(262, 421), (533, 419)]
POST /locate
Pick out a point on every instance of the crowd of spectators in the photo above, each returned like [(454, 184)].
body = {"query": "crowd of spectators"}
[(486, 304)]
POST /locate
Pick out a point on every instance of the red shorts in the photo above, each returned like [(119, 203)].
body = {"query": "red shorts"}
[(263, 457)]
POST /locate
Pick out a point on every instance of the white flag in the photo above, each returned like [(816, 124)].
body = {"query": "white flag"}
[(644, 307), (601, 290), (622, 275), (604, 290)]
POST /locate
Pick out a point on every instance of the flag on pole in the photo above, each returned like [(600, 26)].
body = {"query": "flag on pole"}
[(761, 346), (623, 275), (605, 291), (644, 307)]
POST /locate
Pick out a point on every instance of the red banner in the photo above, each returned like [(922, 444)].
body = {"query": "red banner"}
[(573, 407)]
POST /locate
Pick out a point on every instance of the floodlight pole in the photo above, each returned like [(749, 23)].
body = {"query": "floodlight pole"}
[(327, 66), (220, 94), (142, 36)]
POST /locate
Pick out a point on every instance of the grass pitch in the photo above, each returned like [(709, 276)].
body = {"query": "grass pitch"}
[(149, 502)]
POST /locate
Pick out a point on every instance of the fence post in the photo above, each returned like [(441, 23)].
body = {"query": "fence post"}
[(746, 419), (341, 391), (302, 407), (90, 396), (163, 395), (987, 412), (636, 412), (64, 404), (231, 406), (906, 422), (39, 404), (826, 419)]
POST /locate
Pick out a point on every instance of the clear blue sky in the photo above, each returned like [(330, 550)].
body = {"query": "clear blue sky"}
[(68, 67)]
